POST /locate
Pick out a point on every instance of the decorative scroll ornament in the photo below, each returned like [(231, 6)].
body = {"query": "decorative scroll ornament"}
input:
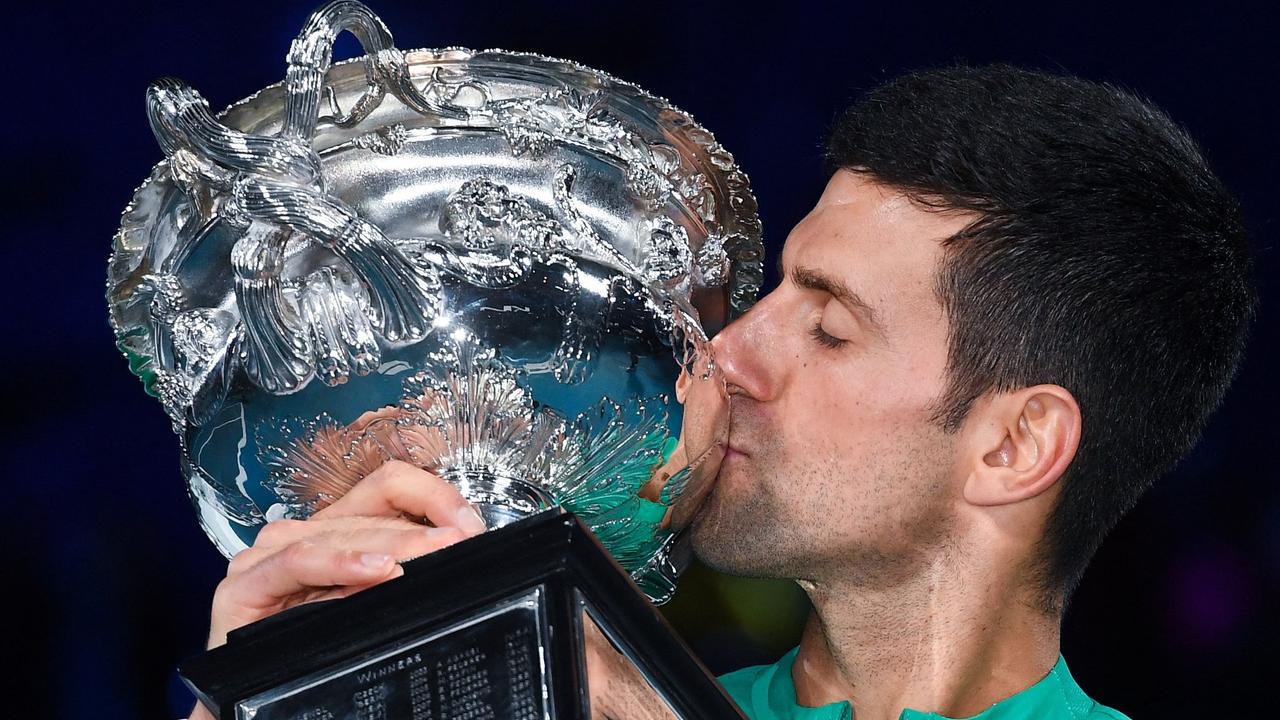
[(480, 263)]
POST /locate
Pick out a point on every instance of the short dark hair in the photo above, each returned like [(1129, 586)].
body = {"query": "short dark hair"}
[(1106, 257)]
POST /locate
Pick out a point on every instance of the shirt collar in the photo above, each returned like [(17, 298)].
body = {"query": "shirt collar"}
[(776, 690), (1055, 697)]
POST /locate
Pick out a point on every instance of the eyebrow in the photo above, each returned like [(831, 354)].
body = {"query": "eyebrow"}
[(811, 279)]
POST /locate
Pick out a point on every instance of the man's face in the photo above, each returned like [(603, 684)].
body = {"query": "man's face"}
[(833, 464)]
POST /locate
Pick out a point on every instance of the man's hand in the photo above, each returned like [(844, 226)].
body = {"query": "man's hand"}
[(358, 542), (355, 543)]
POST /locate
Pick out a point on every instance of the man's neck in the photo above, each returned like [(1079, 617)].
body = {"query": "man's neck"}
[(936, 643)]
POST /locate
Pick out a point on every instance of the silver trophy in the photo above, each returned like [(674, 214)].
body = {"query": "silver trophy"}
[(495, 266)]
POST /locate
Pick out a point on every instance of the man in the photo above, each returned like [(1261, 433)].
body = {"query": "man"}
[(1012, 309)]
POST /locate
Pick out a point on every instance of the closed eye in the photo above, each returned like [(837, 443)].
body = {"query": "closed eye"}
[(824, 339)]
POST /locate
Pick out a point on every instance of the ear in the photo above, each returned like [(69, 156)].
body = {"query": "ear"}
[(1021, 444)]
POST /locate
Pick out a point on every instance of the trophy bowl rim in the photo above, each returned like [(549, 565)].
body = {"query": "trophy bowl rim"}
[(745, 253)]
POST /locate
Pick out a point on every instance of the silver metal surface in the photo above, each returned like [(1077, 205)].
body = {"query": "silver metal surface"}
[(494, 265)]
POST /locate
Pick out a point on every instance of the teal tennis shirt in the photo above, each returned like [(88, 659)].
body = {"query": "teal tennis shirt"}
[(766, 692)]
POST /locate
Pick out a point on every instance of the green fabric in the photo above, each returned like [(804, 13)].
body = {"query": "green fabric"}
[(767, 692)]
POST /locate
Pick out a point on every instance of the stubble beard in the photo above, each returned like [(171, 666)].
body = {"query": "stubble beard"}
[(742, 530), (747, 528)]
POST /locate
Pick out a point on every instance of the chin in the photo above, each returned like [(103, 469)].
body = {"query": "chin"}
[(717, 555), (705, 531), (726, 556), (719, 539)]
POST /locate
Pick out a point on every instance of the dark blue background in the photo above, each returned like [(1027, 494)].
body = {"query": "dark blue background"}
[(109, 577)]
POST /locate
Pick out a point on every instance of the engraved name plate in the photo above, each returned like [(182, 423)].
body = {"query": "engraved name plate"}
[(492, 665)]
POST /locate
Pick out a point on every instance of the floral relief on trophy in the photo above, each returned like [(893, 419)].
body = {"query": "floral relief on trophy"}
[(388, 140), (654, 170), (502, 232), (469, 417)]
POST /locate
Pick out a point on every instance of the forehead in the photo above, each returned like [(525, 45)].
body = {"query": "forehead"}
[(878, 242)]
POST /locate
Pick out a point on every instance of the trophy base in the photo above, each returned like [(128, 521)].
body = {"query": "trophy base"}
[(500, 500), (492, 627)]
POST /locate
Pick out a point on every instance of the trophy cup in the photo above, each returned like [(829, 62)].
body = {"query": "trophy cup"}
[(496, 266)]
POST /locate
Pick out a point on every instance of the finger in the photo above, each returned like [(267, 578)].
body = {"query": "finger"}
[(278, 533), (333, 593), (402, 540), (295, 570), (399, 544), (398, 487), (341, 592), (308, 571), (244, 560), (286, 578)]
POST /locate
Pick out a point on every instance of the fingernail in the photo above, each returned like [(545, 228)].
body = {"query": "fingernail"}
[(437, 531), (469, 520), (374, 560)]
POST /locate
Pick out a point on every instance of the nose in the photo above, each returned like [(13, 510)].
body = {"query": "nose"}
[(744, 347)]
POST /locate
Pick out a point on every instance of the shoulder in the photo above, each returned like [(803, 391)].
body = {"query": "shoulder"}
[(1056, 696), (1102, 712), (1076, 701)]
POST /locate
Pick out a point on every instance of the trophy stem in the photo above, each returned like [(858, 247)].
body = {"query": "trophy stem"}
[(501, 500)]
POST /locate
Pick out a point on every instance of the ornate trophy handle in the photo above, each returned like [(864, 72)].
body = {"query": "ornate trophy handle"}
[(268, 191), (311, 56), (404, 298)]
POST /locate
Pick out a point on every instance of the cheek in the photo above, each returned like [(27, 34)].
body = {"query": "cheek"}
[(842, 411), (860, 470)]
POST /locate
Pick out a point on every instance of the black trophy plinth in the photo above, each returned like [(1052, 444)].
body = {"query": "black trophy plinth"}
[(490, 628)]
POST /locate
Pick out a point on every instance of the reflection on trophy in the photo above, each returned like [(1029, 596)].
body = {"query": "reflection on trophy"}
[(494, 266)]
